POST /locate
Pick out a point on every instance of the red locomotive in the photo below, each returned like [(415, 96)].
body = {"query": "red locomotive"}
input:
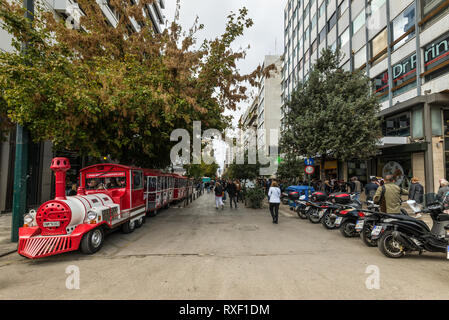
[(110, 196)]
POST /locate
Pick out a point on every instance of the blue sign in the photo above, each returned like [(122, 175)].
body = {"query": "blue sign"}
[(309, 162)]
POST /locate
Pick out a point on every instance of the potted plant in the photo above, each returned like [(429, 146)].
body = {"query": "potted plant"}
[(255, 197)]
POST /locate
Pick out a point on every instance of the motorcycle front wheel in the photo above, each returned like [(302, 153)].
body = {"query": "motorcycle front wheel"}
[(390, 247), (347, 229), (301, 213), (365, 235), (328, 221), (313, 216)]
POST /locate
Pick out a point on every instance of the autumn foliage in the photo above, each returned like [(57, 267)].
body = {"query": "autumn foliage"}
[(117, 91)]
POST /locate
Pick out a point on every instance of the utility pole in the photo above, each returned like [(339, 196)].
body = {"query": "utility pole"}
[(21, 158)]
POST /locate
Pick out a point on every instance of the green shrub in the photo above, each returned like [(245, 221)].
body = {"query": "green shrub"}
[(255, 196)]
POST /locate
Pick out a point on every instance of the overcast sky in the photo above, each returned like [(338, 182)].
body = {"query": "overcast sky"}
[(265, 37)]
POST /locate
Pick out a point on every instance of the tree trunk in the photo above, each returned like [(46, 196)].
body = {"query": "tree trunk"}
[(322, 172)]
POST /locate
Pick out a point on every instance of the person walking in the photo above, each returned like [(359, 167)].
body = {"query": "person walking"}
[(371, 188), (443, 190), (357, 188), (231, 188), (416, 193), (219, 196), (388, 196), (274, 198), (239, 190)]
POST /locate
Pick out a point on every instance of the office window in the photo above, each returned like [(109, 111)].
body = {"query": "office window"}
[(402, 24), (344, 38), (306, 34), (332, 21), (333, 46), (314, 46), (379, 44), (429, 5), (342, 8), (313, 22), (322, 10), (376, 5), (381, 86), (322, 36), (359, 21), (398, 126), (404, 75)]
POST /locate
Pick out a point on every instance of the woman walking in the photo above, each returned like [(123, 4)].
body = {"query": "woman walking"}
[(218, 196), (274, 198)]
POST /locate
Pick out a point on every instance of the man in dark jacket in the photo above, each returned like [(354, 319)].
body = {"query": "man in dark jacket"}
[(231, 188), (371, 188)]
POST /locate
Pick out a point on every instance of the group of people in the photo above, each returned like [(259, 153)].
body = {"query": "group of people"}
[(232, 188)]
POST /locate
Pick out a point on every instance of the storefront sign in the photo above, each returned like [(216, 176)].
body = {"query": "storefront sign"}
[(404, 70), (436, 52)]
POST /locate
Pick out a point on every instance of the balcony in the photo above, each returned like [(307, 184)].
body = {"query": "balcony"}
[(393, 141)]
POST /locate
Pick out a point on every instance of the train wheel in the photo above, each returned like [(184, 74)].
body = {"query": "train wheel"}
[(129, 226), (140, 222), (152, 213), (92, 241)]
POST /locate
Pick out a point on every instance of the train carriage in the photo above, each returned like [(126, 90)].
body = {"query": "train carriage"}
[(110, 196), (153, 191)]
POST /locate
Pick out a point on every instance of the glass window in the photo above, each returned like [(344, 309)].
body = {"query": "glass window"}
[(342, 8), (418, 128), (322, 36), (378, 44), (376, 5), (322, 9), (137, 180), (360, 58), (332, 21), (313, 22), (397, 126), (403, 72), (344, 38), (111, 182), (429, 5), (381, 85), (401, 24), (436, 53), (359, 21), (437, 129)]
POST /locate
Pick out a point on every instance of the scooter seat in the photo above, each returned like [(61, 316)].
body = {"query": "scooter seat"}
[(443, 217)]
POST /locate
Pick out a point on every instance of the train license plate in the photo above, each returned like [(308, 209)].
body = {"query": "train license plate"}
[(359, 225), (52, 224), (338, 221), (376, 231)]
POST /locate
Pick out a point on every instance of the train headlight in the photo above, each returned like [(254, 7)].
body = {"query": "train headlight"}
[(28, 219), (91, 215)]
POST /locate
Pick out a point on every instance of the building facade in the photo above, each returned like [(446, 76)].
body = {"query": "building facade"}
[(403, 46), (39, 184), (264, 113)]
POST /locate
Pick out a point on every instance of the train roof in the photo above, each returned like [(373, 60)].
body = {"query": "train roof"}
[(103, 166)]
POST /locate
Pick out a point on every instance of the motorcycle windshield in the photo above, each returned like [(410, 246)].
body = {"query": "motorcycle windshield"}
[(431, 198)]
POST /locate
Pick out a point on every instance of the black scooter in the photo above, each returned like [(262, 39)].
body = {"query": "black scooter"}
[(400, 234)]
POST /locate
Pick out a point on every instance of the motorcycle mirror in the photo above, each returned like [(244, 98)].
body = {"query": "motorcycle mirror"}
[(414, 206)]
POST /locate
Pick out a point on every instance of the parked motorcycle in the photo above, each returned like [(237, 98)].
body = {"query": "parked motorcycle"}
[(317, 206), (399, 234)]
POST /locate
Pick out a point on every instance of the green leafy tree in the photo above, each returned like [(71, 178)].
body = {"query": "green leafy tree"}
[(245, 170), (291, 168), (117, 91), (332, 115), (201, 170)]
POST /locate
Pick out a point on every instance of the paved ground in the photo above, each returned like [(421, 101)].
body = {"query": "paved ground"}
[(6, 246), (200, 253)]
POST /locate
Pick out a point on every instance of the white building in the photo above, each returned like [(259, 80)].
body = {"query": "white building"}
[(403, 46)]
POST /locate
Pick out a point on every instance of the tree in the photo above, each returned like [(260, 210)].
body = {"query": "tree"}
[(245, 170), (117, 91), (201, 170), (332, 115), (291, 168)]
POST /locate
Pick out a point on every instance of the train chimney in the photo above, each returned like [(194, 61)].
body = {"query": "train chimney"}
[(60, 167)]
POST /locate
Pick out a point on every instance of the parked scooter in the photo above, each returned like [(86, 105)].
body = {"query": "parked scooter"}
[(340, 201), (398, 234), (318, 206)]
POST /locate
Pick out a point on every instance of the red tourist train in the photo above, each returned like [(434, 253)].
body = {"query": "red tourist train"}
[(110, 196)]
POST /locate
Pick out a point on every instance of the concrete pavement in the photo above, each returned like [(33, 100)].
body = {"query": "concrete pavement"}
[(200, 253), (6, 246)]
